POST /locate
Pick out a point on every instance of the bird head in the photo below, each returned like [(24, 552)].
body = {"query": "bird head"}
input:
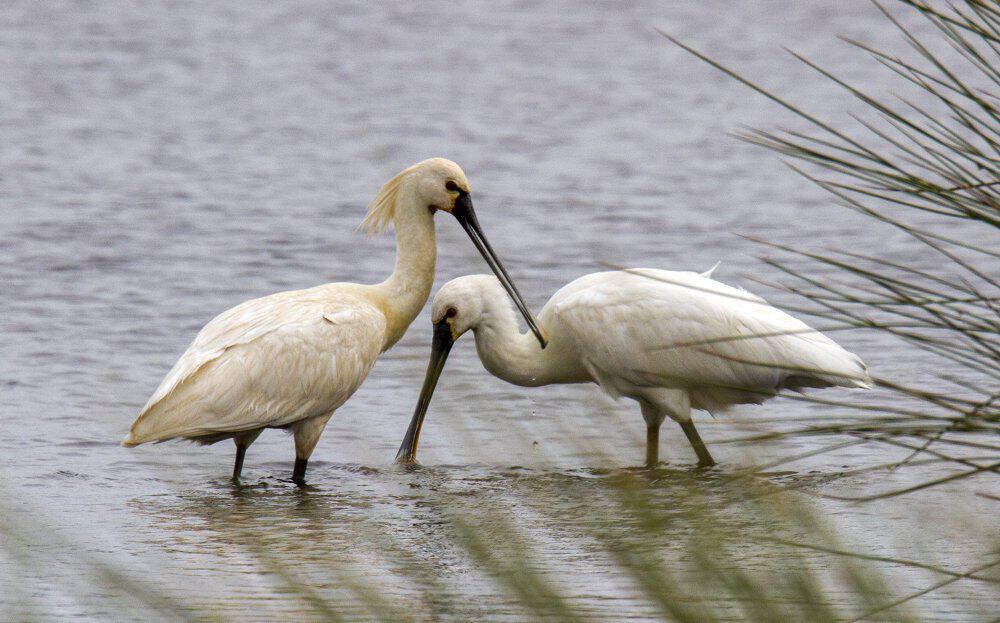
[(461, 304), (433, 184), (438, 184)]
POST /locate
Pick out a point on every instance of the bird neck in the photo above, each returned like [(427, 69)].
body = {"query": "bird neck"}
[(404, 293), (509, 354)]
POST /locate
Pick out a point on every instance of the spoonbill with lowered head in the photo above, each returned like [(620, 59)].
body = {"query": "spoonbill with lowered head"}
[(290, 359), (671, 341)]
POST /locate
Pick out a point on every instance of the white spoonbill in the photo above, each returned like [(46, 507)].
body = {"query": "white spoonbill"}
[(288, 360), (671, 341)]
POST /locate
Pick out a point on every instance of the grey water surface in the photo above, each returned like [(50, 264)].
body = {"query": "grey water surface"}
[(163, 161)]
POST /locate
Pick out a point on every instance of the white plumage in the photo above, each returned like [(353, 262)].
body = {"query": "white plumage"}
[(267, 363), (290, 359), (670, 340)]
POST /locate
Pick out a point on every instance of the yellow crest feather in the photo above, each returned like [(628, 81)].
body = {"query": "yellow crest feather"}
[(382, 209)]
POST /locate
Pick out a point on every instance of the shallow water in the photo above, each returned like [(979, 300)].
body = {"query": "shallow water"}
[(160, 162)]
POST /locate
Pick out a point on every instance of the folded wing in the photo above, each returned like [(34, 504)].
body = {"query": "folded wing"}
[(266, 363), (680, 329)]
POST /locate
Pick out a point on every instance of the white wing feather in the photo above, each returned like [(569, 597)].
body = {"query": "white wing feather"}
[(656, 328), (267, 362)]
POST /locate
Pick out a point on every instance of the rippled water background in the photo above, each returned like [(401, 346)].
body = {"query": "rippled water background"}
[(163, 161)]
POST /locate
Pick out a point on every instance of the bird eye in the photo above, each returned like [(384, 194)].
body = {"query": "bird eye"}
[(451, 313), (450, 185)]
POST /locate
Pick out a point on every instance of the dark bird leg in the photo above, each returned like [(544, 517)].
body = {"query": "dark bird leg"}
[(243, 441), (306, 433), (652, 445), (241, 452), (704, 458), (299, 473), (654, 418)]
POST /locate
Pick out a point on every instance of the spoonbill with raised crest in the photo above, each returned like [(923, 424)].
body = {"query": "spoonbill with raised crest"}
[(671, 341), (290, 359)]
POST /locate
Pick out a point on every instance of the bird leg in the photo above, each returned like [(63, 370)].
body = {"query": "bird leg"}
[(654, 418), (241, 451), (243, 441), (306, 433), (704, 458), (299, 473), (652, 445)]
